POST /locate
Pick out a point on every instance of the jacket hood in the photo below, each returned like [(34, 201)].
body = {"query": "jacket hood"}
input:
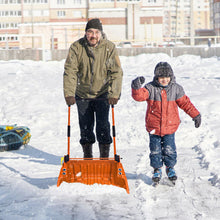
[(83, 41)]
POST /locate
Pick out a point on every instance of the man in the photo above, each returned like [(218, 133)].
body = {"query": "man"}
[(93, 80)]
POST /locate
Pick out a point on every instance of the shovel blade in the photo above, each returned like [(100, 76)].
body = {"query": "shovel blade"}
[(106, 171)]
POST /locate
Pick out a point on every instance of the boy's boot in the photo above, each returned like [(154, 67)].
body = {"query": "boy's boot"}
[(104, 150), (171, 173), (157, 175), (87, 150)]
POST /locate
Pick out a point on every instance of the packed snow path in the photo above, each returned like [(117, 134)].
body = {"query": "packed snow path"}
[(31, 95)]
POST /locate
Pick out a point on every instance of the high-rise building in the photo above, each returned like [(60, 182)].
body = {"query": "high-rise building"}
[(13, 13), (56, 23), (181, 16), (215, 16)]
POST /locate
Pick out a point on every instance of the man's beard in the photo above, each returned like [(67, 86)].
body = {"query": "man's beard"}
[(92, 39)]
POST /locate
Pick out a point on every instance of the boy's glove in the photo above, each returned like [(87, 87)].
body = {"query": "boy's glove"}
[(136, 83), (197, 120), (70, 100)]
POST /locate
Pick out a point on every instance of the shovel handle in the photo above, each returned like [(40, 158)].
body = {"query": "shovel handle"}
[(68, 132), (113, 129)]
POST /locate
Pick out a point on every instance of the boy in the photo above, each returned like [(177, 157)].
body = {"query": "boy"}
[(163, 96)]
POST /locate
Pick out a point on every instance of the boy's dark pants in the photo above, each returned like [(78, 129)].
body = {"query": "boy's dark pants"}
[(162, 150), (90, 110)]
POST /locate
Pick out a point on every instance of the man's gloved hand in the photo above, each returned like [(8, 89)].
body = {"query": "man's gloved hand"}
[(112, 101), (136, 83), (197, 120), (70, 100)]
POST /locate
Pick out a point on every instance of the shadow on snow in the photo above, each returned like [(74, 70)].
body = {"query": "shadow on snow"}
[(37, 156)]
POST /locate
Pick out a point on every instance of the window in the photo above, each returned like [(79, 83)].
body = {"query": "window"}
[(46, 13), (77, 14), (8, 25), (35, 1), (26, 13), (80, 1), (61, 2), (37, 13), (10, 13), (61, 13)]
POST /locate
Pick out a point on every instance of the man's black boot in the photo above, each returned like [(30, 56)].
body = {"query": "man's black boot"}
[(104, 150), (87, 150)]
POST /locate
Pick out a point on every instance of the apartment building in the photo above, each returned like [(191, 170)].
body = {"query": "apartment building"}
[(16, 12), (215, 15), (183, 17), (131, 20), (121, 19), (55, 24)]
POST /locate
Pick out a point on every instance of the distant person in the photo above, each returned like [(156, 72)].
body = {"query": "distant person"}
[(163, 96), (209, 42), (93, 80)]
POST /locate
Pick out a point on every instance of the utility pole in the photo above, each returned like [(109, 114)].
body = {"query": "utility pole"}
[(87, 10), (176, 26), (133, 19), (52, 39), (145, 30), (32, 23), (192, 30), (152, 30), (65, 38)]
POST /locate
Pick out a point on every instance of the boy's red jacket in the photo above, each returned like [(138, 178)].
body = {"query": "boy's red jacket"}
[(162, 116)]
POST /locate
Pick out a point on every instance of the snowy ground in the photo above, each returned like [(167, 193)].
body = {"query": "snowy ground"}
[(31, 95)]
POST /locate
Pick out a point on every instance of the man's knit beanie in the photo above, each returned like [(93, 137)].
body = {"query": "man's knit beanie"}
[(163, 69), (94, 23)]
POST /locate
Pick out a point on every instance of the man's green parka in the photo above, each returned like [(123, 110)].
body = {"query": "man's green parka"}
[(92, 71)]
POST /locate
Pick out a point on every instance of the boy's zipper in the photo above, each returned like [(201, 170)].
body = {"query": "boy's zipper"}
[(161, 110)]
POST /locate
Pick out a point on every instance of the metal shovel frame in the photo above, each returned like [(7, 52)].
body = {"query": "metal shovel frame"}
[(89, 171)]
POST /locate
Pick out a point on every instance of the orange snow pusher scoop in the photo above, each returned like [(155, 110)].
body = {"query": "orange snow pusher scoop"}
[(93, 170)]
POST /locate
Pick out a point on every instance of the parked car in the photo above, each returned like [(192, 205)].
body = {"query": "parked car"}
[(125, 44), (172, 44)]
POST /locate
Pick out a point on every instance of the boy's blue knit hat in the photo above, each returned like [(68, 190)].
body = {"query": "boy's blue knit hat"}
[(163, 69)]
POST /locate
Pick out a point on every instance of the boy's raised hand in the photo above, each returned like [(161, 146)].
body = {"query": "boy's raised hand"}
[(197, 120), (136, 83)]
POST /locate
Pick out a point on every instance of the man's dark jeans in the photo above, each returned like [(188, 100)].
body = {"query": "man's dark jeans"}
[(89, 111)]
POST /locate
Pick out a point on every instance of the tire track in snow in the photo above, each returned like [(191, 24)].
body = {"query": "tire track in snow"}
[(193, 195), (207, 147)]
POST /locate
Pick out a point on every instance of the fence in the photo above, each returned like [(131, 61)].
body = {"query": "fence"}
[(47, 55)]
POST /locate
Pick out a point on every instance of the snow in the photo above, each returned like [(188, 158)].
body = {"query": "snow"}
[(31, 95)]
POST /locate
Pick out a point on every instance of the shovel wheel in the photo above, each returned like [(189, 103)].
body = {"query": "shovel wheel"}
[(91, 171)]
